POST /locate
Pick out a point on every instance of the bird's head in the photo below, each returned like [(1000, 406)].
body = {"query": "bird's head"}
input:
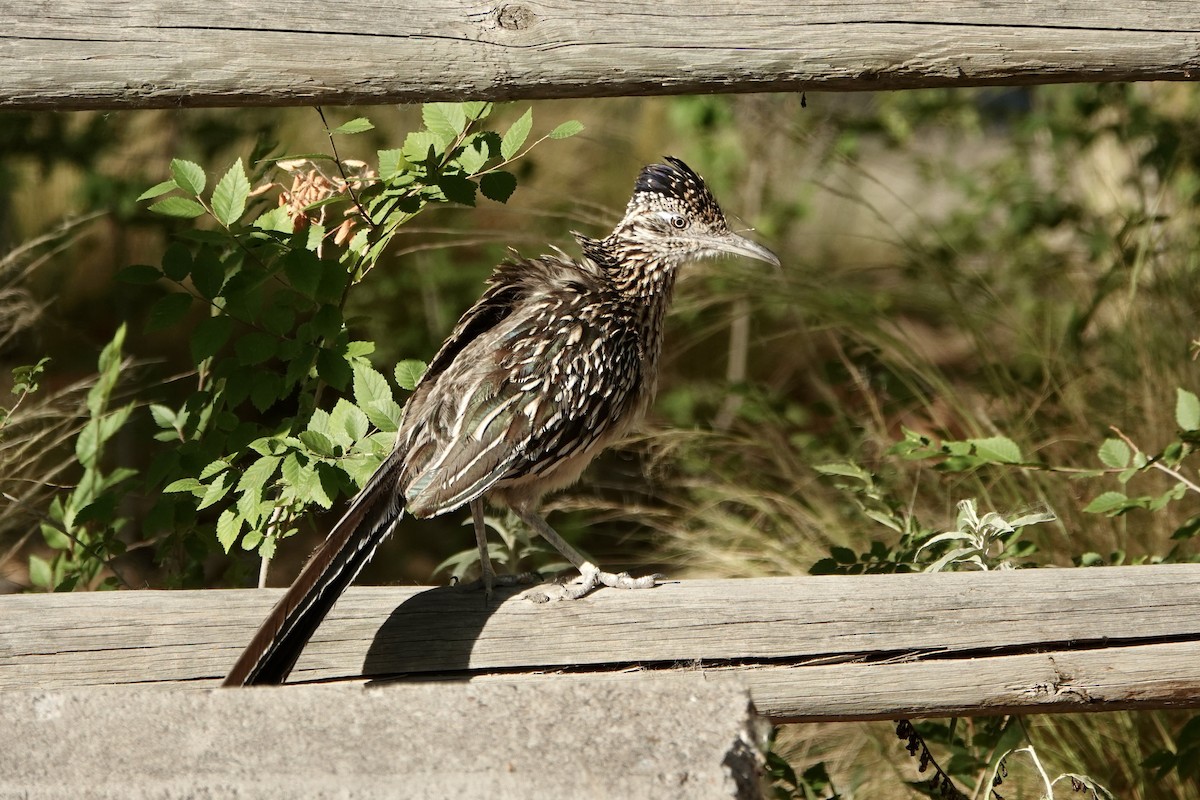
[(673, 218)]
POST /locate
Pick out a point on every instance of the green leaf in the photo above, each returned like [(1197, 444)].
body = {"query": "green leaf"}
[(1114, 453), (392, 163), (265, 391), (276, 220), (997, 449), (229, 198), (333, 369), (444, 120), (384, 414), (40, 573), (516, 135), (458, 189), (417, 147), (409, 372), (164, 416), (318, 443), (229, 525), (477, 109), (255, 347), (498, 186), (215, 468), (215, 491), (181, 207), (209, 336), (356, 125), (369, 386), (189, 176), (348, 419), (303, 270), (1106, 503), (1187, 410), (567, 129), (183, 485), (258, 475), (139, 274), (177, 262), (845, 470), (168, 310), (158, 189)]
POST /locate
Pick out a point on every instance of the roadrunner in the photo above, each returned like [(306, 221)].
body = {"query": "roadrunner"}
[(556, 360)]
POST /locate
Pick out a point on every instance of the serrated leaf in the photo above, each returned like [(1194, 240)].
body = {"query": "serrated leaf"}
[(139, 274), (444, 120), (516, 135), (318, 443), (168, 310), (210, 335), (189, 176), (164, 416), (369, 386), (417, 147), (276, 220), (181, 207), (157, 190), (392, 163), (1106, 503), (1114, 453), (567, 129), (409, 373), (229, 526), (356, 125), (384, 414), (258, 475), (458, 189), (215, 491), (182, 485), (477, 109), (1187, 410), (999, 449), (229, 198), (347, 422), (498, 186), (214, 468)]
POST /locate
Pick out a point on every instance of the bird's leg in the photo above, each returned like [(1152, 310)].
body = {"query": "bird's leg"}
[(486, 573), (590, 575), (488, 578)]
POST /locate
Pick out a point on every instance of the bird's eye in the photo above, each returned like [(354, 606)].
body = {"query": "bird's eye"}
[(678, 222)]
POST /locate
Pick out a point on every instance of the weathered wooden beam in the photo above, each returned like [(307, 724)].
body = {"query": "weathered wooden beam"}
[(809, 648), (141, 53), (698, 739)]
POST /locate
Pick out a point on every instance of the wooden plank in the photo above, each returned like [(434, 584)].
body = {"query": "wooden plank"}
[(143, 53), (810, 648)]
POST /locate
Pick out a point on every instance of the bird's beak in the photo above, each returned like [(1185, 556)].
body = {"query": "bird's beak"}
[(741, 246)]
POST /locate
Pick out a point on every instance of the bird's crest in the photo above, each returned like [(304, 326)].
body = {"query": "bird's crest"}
[(675, 179)]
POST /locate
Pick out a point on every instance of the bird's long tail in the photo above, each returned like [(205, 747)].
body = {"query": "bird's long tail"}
[(277, 644)]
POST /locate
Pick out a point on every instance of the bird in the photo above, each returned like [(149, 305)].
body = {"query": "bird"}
[(556, 360)]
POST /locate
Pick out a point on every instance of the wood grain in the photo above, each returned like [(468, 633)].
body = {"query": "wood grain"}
[(809, 648), (74, 54)]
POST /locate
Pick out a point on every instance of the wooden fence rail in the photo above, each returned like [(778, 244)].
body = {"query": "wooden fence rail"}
[(813, 648), (74, 54)]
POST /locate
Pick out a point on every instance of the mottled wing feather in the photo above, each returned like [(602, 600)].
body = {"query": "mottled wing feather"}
[(546, 383)]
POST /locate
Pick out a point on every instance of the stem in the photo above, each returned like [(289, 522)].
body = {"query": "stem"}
[(1156, 462), (337, 159)]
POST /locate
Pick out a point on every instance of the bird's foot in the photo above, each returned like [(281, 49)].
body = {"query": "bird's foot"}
[(591, 577)]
